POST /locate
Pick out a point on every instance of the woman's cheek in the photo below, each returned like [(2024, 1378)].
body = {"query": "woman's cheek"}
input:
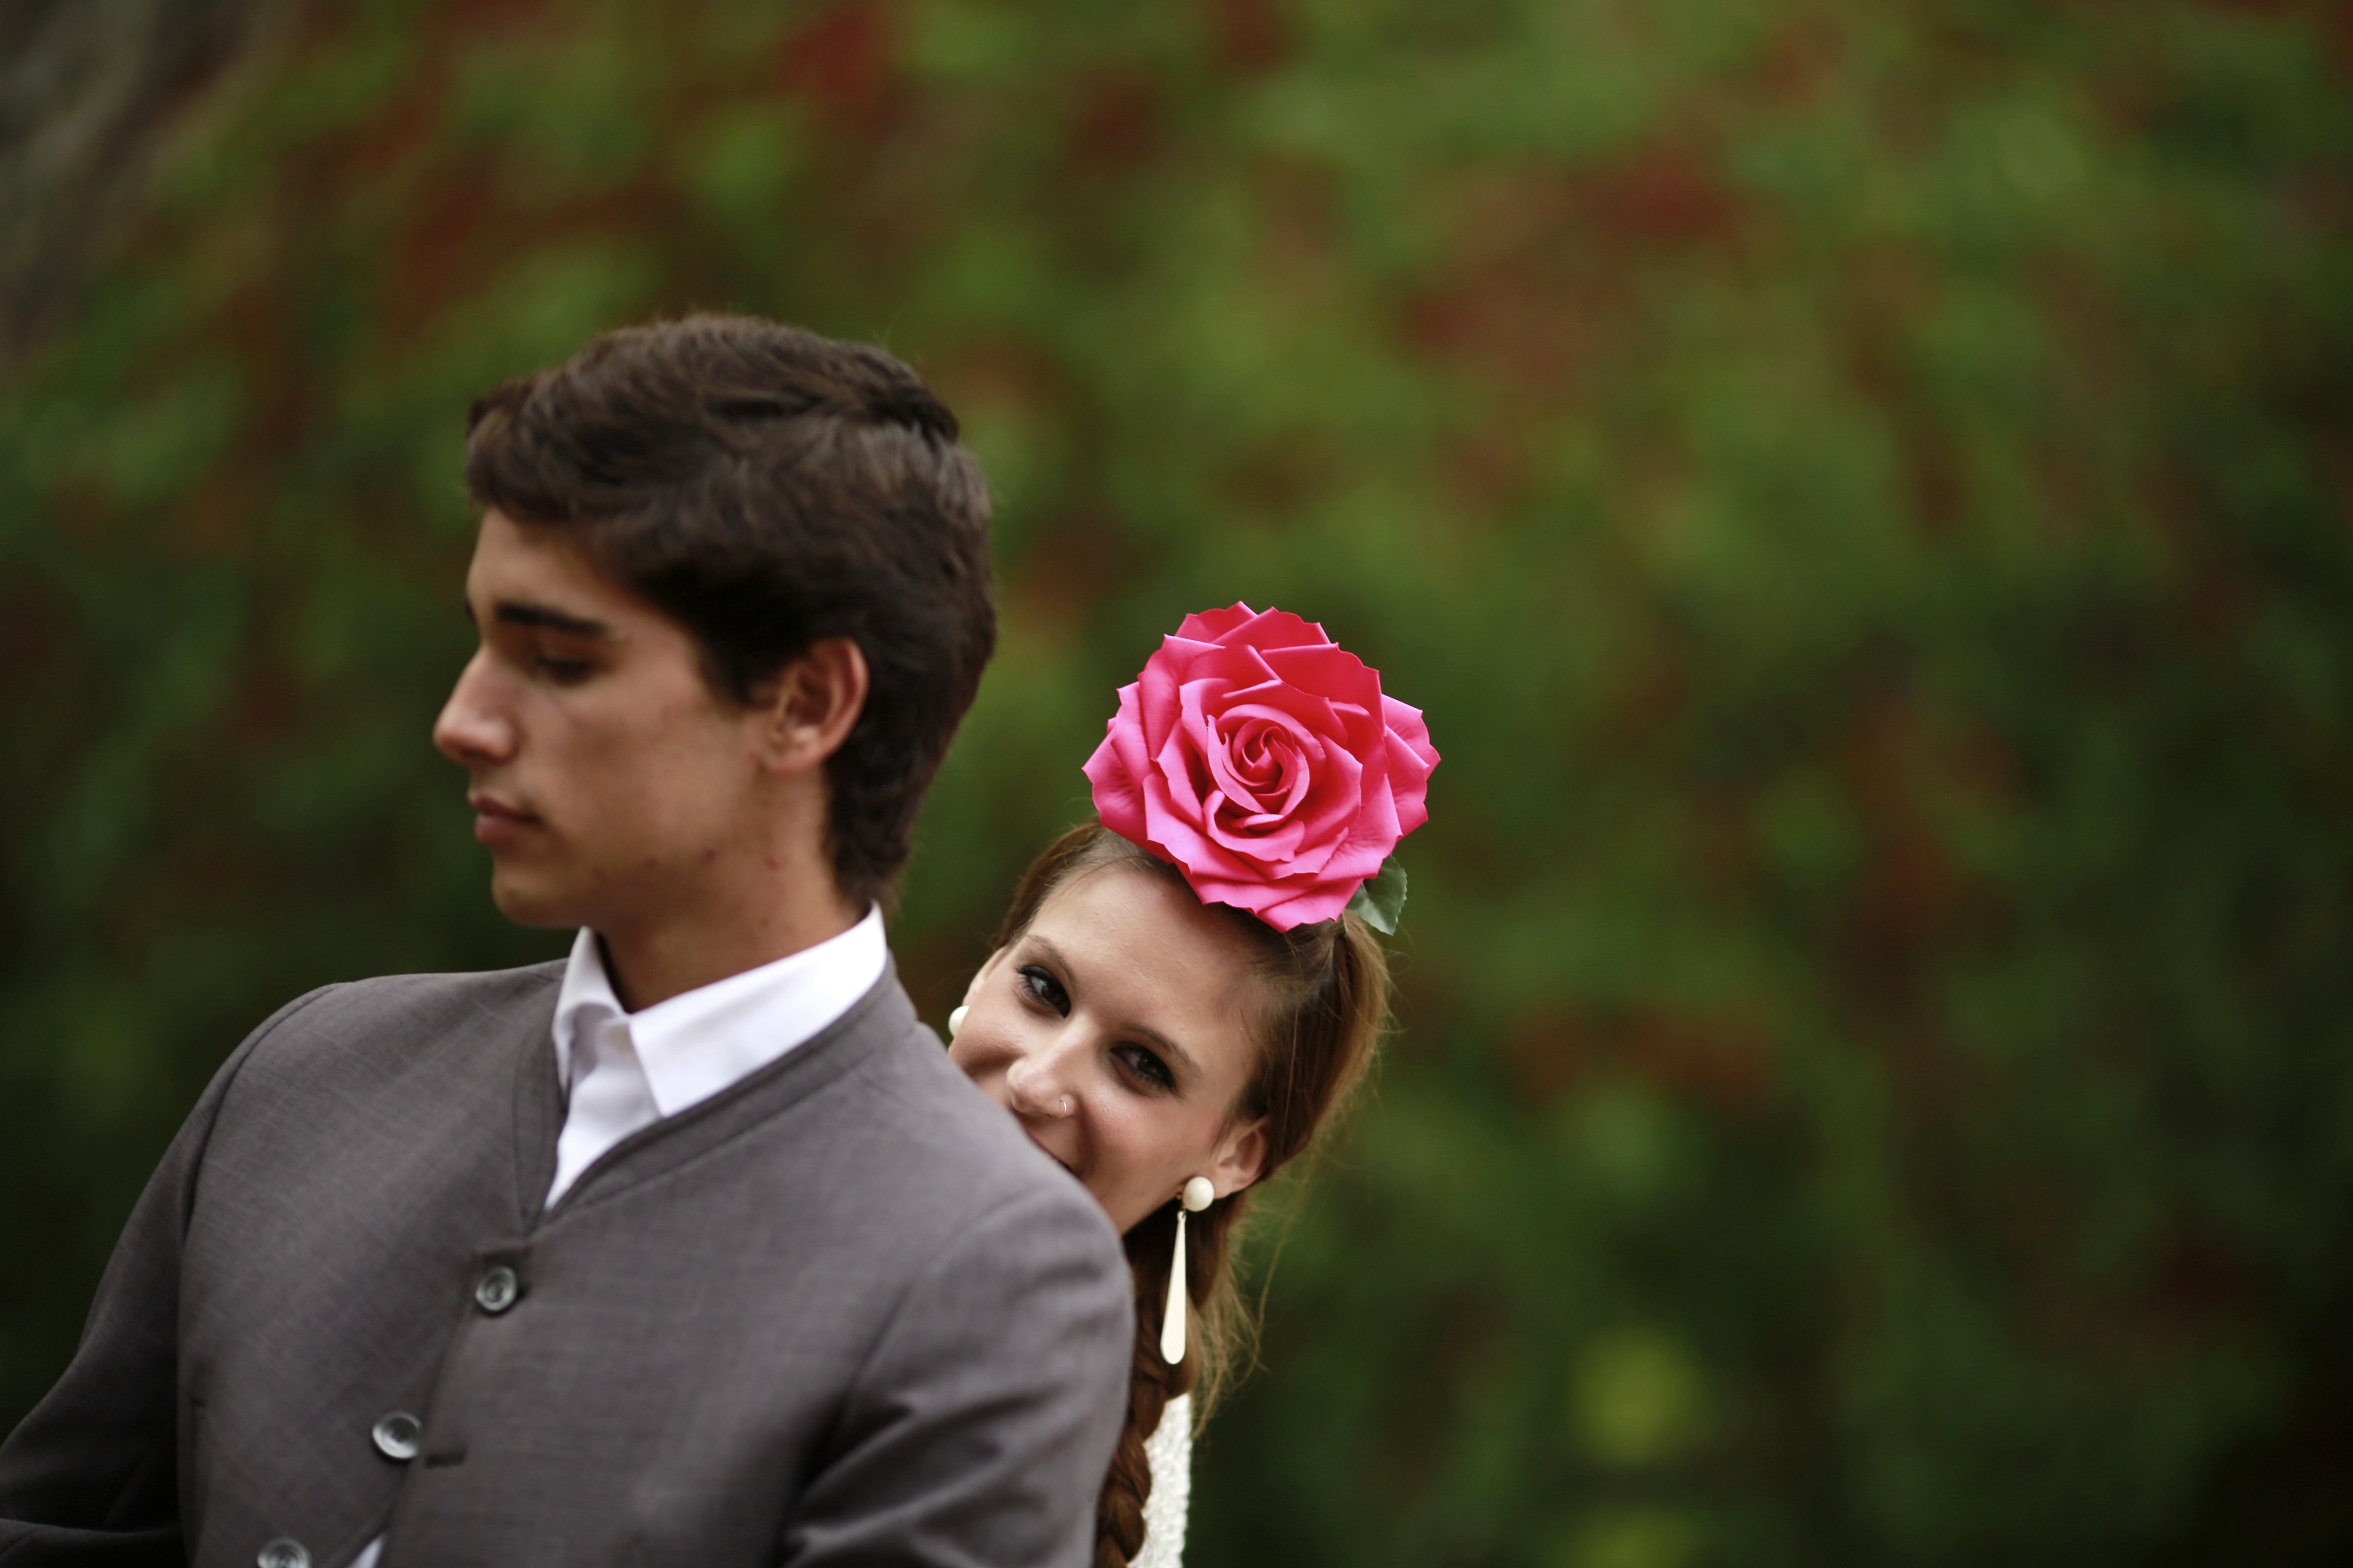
[(992, 1084), (1122, 1150), (985, 1067)]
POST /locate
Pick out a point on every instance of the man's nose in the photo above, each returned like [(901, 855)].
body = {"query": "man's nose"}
[(472, 729)]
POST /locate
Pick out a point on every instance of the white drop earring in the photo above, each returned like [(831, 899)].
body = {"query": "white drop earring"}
[(1199, 1195), (955, 1020)]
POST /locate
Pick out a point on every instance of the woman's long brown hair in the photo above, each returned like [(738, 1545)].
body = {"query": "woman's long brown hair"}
[(1325, 993)]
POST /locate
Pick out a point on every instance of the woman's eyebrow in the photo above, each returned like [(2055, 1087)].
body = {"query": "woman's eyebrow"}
[(1186, 1067)]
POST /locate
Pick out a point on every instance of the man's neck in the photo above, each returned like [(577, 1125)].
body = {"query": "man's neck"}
[(652, 962)]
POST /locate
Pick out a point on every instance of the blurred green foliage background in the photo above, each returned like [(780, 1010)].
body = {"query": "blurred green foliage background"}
[(1863, 488)]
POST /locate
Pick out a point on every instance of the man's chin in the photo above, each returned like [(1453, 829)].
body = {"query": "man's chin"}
[(530, 902)]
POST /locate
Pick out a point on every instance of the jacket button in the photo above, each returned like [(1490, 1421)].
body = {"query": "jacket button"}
[(395, 1435), (496, 1291), (283, 1553)]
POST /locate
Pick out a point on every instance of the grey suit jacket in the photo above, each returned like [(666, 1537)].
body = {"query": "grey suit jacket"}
[(842, 1313)]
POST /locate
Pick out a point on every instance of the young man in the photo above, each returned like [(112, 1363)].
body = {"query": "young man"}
[(695, 1248)]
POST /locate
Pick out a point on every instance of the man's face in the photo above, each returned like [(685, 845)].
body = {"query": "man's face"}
[(604, 773)]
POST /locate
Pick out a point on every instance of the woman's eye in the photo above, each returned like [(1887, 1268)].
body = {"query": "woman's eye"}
[(564, 671), (1041, 986), (1147, 1066)]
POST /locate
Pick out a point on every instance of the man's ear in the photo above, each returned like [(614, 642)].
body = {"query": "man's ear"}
[(812, 704), (1241, 1158)]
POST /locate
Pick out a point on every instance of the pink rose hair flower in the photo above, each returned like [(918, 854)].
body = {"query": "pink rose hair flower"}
[(1263, 760)]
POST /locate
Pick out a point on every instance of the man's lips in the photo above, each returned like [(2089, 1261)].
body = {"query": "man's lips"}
[(496, 822)]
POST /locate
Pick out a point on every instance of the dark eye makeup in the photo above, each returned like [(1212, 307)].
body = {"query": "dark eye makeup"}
[(1038, 984), (1147, 1067)]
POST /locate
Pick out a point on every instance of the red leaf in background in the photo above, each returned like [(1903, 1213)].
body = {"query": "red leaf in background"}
[(1117, 123), (1668, 193), (1246, 36), (841, 61)]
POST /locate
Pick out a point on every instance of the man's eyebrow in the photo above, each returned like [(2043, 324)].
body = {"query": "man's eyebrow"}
[(523, 613), (1186, 1064)]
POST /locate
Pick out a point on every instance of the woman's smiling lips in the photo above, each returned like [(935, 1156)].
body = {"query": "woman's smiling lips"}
[(496, 822), (1051, 1154)]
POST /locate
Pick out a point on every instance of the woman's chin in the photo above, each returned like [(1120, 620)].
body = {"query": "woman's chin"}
[(1057, 1158)]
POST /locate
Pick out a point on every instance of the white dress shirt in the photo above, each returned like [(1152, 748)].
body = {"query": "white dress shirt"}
[(626, 1070)]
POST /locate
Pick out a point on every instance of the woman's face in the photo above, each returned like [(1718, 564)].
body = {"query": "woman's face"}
[(1116, 1029)]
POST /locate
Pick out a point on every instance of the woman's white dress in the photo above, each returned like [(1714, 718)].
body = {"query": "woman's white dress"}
[(1169, 1452)]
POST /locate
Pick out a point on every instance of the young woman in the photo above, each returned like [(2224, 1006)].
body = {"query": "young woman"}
[(1184, 990)]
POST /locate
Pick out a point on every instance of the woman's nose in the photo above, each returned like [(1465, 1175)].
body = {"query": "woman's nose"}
[(1037, 1090), (471, 731)]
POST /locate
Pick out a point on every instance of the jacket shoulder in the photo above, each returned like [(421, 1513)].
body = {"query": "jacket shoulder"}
[(938, 1121), (408, 1009), (404, 995)]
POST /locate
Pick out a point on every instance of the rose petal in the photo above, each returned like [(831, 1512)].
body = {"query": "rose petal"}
[(1329, 672), (1117, 767), (1276, 763), (1201, 744), (1283, 746), (1174, 833), (1368, 842), (1202, 859), (1249, 892), (1405, 721), (1412, 759), (1240, 667), (1213, 625), (1264, 630), (1156, 692), (1268, 847), (1316, 712), (1180, 771), (1323, 903), (1336, 801)]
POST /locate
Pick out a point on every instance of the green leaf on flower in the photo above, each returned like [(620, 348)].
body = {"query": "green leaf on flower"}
[(1382, 898)]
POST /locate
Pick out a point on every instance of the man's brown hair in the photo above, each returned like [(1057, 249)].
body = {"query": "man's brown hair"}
[(765, 488)]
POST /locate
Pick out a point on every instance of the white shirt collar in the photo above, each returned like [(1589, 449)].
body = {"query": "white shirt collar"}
[(703, 1041)]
